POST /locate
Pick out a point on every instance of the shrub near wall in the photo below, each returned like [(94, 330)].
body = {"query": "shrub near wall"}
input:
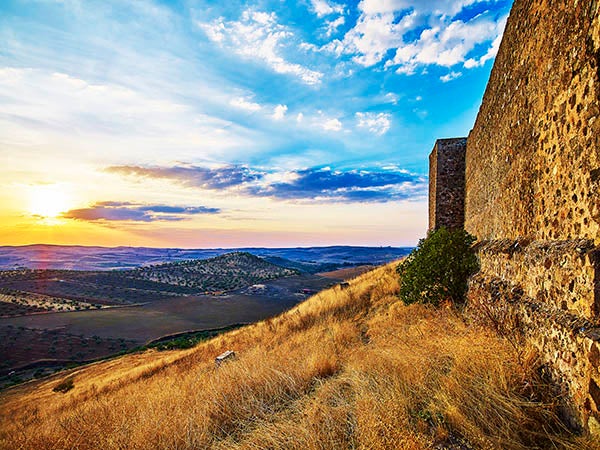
[(438, 269)]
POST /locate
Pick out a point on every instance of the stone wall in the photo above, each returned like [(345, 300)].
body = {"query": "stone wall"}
[(533, 156), (532, 195), (546, 293), (447, 183), (568, 344), (561, 274)]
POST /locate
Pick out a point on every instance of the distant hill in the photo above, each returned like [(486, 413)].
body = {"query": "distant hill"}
[(41, 256), (28, 291), (339, 255), (305, 266), (222, 273), (113, 311)]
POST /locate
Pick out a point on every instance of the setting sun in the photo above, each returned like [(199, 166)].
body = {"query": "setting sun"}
[(48, 201)]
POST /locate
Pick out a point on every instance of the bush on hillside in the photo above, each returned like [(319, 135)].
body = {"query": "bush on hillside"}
[(64, 386), (438, 269)]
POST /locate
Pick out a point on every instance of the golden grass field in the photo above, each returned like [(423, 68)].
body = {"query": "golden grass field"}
[(351, 368)]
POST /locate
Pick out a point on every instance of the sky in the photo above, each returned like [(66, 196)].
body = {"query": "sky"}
[(196, 123)]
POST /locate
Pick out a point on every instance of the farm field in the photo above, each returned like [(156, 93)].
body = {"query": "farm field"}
[(36, 352), (88, 334), (87, 289), (18, 303), (347, 273)]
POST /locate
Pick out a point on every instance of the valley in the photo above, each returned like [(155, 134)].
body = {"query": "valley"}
[(51, 319)]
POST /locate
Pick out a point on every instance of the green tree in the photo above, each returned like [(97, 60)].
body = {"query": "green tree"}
[(438, 269)]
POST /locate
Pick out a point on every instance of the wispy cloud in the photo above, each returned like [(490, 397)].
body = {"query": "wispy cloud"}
[(376, 123), (448, 44), (312, 184), (490, 54), (450, 76), (437, 7), (39, 106), (333, 25), (279, 112), (243, 103), (372, 37), (324, 8), (127, 211), (195, 176), (331, 124), (259, 36), (325, 184)]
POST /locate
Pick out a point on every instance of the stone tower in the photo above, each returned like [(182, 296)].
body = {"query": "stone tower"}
[(447, 183)]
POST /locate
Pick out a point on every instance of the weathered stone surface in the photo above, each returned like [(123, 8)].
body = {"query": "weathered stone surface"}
[(532, 194), (564, 342), (533, 156), (559, 273), (447, 183)]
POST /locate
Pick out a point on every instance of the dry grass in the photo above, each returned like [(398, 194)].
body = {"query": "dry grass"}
[(349, 368)]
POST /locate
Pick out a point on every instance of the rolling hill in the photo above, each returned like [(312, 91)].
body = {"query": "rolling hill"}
[(50, 319), (29, 291), (221, 273), (348, 368)]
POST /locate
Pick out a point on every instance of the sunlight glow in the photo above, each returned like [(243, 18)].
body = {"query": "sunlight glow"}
[(48, 201)]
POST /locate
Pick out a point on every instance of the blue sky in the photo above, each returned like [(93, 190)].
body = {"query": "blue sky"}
[(204, 123)]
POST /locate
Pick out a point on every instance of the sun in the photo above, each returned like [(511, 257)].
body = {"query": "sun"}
[(48, 201)]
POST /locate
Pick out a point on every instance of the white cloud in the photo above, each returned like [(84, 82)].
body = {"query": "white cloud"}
[(70, 115), (372, 37), (470, 63), (420, 113), (243, 103), (333, 25), (408, 69), (385, 26), (299, 117), (446, 45), (279, 112), (450, 76), (324, 8), (490, 54), (437, 7), (392, 98), (331, 125), (259, 36), (376, 123), (307, 46)]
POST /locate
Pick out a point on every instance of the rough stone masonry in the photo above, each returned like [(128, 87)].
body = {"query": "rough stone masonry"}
[(447, 183), (532, 194)]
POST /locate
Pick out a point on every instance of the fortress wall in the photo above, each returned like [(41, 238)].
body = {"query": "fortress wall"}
[(532, 195), (432, 186), (560, 274), (533, 156), (568, 344), (447, 183)]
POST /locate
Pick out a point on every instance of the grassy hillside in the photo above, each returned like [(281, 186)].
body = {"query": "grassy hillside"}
[(303, 266), (350, 368)]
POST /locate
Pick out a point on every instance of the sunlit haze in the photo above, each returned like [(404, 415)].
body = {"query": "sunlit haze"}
[(199, 123)]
